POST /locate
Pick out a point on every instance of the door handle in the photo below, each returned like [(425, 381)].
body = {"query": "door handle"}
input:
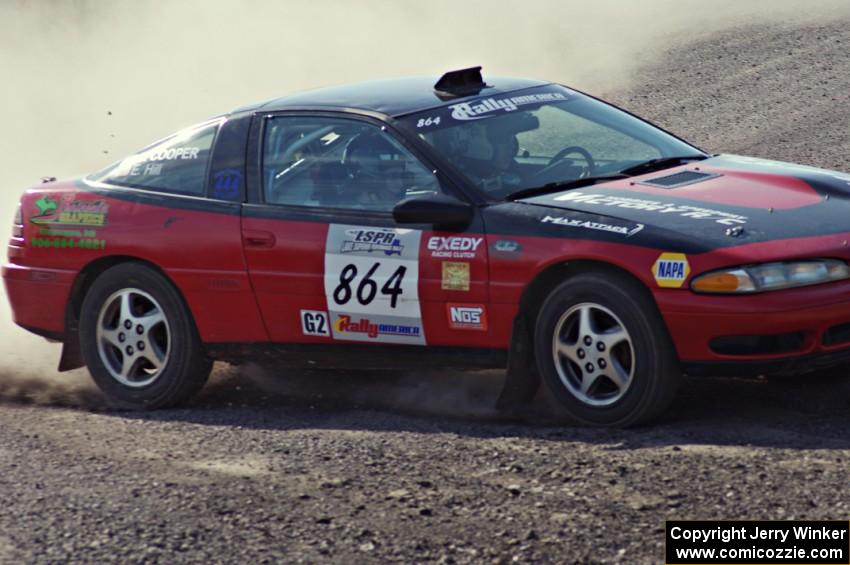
[(258, 238)]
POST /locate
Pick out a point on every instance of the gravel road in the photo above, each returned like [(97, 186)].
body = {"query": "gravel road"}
[(354, 468)]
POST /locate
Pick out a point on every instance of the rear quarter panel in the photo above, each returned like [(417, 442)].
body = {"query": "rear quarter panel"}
[(194, 241)]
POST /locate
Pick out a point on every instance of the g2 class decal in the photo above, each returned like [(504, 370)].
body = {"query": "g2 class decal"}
[(371, 284), (671, 269), (314, 322)]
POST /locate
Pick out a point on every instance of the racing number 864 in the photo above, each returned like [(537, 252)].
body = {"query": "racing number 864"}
[(367, 287)]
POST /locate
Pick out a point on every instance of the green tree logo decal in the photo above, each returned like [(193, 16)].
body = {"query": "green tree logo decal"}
[(45, 205)]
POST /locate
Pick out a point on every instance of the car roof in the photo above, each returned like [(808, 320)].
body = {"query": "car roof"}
[(394, 97)]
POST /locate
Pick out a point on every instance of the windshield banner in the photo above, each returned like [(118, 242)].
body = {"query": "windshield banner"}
[(486, 107)]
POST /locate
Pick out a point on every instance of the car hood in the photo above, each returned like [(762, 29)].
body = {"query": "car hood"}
[(723, 201)]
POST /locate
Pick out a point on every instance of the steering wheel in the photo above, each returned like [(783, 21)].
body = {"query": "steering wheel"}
[(560, 155)]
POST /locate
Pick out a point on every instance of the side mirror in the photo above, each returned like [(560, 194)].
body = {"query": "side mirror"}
[(437, 209)]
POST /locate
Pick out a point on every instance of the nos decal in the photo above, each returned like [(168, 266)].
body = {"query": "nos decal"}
[(372, 284)]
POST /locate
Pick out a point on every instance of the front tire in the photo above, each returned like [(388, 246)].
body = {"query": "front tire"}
[(604, 354), (139, 341)]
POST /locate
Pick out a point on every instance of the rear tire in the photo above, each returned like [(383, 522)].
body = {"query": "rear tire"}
[(139, 340), (604, 354)]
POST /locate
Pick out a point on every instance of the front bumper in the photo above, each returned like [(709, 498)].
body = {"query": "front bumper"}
[(797, 330)]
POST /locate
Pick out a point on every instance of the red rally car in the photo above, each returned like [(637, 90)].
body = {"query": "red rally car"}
[(460, 223)]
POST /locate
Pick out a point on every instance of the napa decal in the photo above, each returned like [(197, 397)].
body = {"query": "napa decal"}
[(671, 269), (69, 211)]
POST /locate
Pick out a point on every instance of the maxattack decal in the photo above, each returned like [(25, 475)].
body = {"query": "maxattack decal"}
[(315, 322), (70, 211), (671, 269), (467, 317), (454, 247), (694, 212), (627, 231), (455, 276), (373, 274)]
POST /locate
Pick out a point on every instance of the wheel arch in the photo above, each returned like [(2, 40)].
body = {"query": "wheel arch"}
[(71, 357), (548, 278), (523, 378)]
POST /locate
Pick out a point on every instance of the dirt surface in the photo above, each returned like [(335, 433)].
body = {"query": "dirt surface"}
[(354, 468)]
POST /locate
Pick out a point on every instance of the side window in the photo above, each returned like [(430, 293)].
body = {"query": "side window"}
[(176, 164), (339, 163)]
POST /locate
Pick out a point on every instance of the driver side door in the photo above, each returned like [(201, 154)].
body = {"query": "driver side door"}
[(326, 259)]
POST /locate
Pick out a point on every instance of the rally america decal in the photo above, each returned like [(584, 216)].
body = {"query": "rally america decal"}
[(488, 107), (372, 284)]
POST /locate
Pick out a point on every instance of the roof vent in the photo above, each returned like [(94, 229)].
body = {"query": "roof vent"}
[(682, 178), (463, 82)]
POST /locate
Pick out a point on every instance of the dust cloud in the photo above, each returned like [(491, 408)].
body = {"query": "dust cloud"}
[(87, 81)]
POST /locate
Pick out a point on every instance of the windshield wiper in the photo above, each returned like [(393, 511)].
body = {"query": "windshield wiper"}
[(660, 163), (563, 185)]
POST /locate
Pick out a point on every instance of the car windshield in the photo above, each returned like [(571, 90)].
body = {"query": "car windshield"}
[(511, 143)]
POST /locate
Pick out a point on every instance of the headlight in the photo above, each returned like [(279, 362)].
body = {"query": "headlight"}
[(771, 276)]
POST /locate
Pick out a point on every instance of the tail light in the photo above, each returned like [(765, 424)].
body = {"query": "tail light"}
[(18, 223)]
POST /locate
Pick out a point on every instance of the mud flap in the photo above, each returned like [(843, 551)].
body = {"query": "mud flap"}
[(522, 380), (72, 356)]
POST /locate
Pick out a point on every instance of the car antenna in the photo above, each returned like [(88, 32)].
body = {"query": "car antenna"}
[(462, 82)]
